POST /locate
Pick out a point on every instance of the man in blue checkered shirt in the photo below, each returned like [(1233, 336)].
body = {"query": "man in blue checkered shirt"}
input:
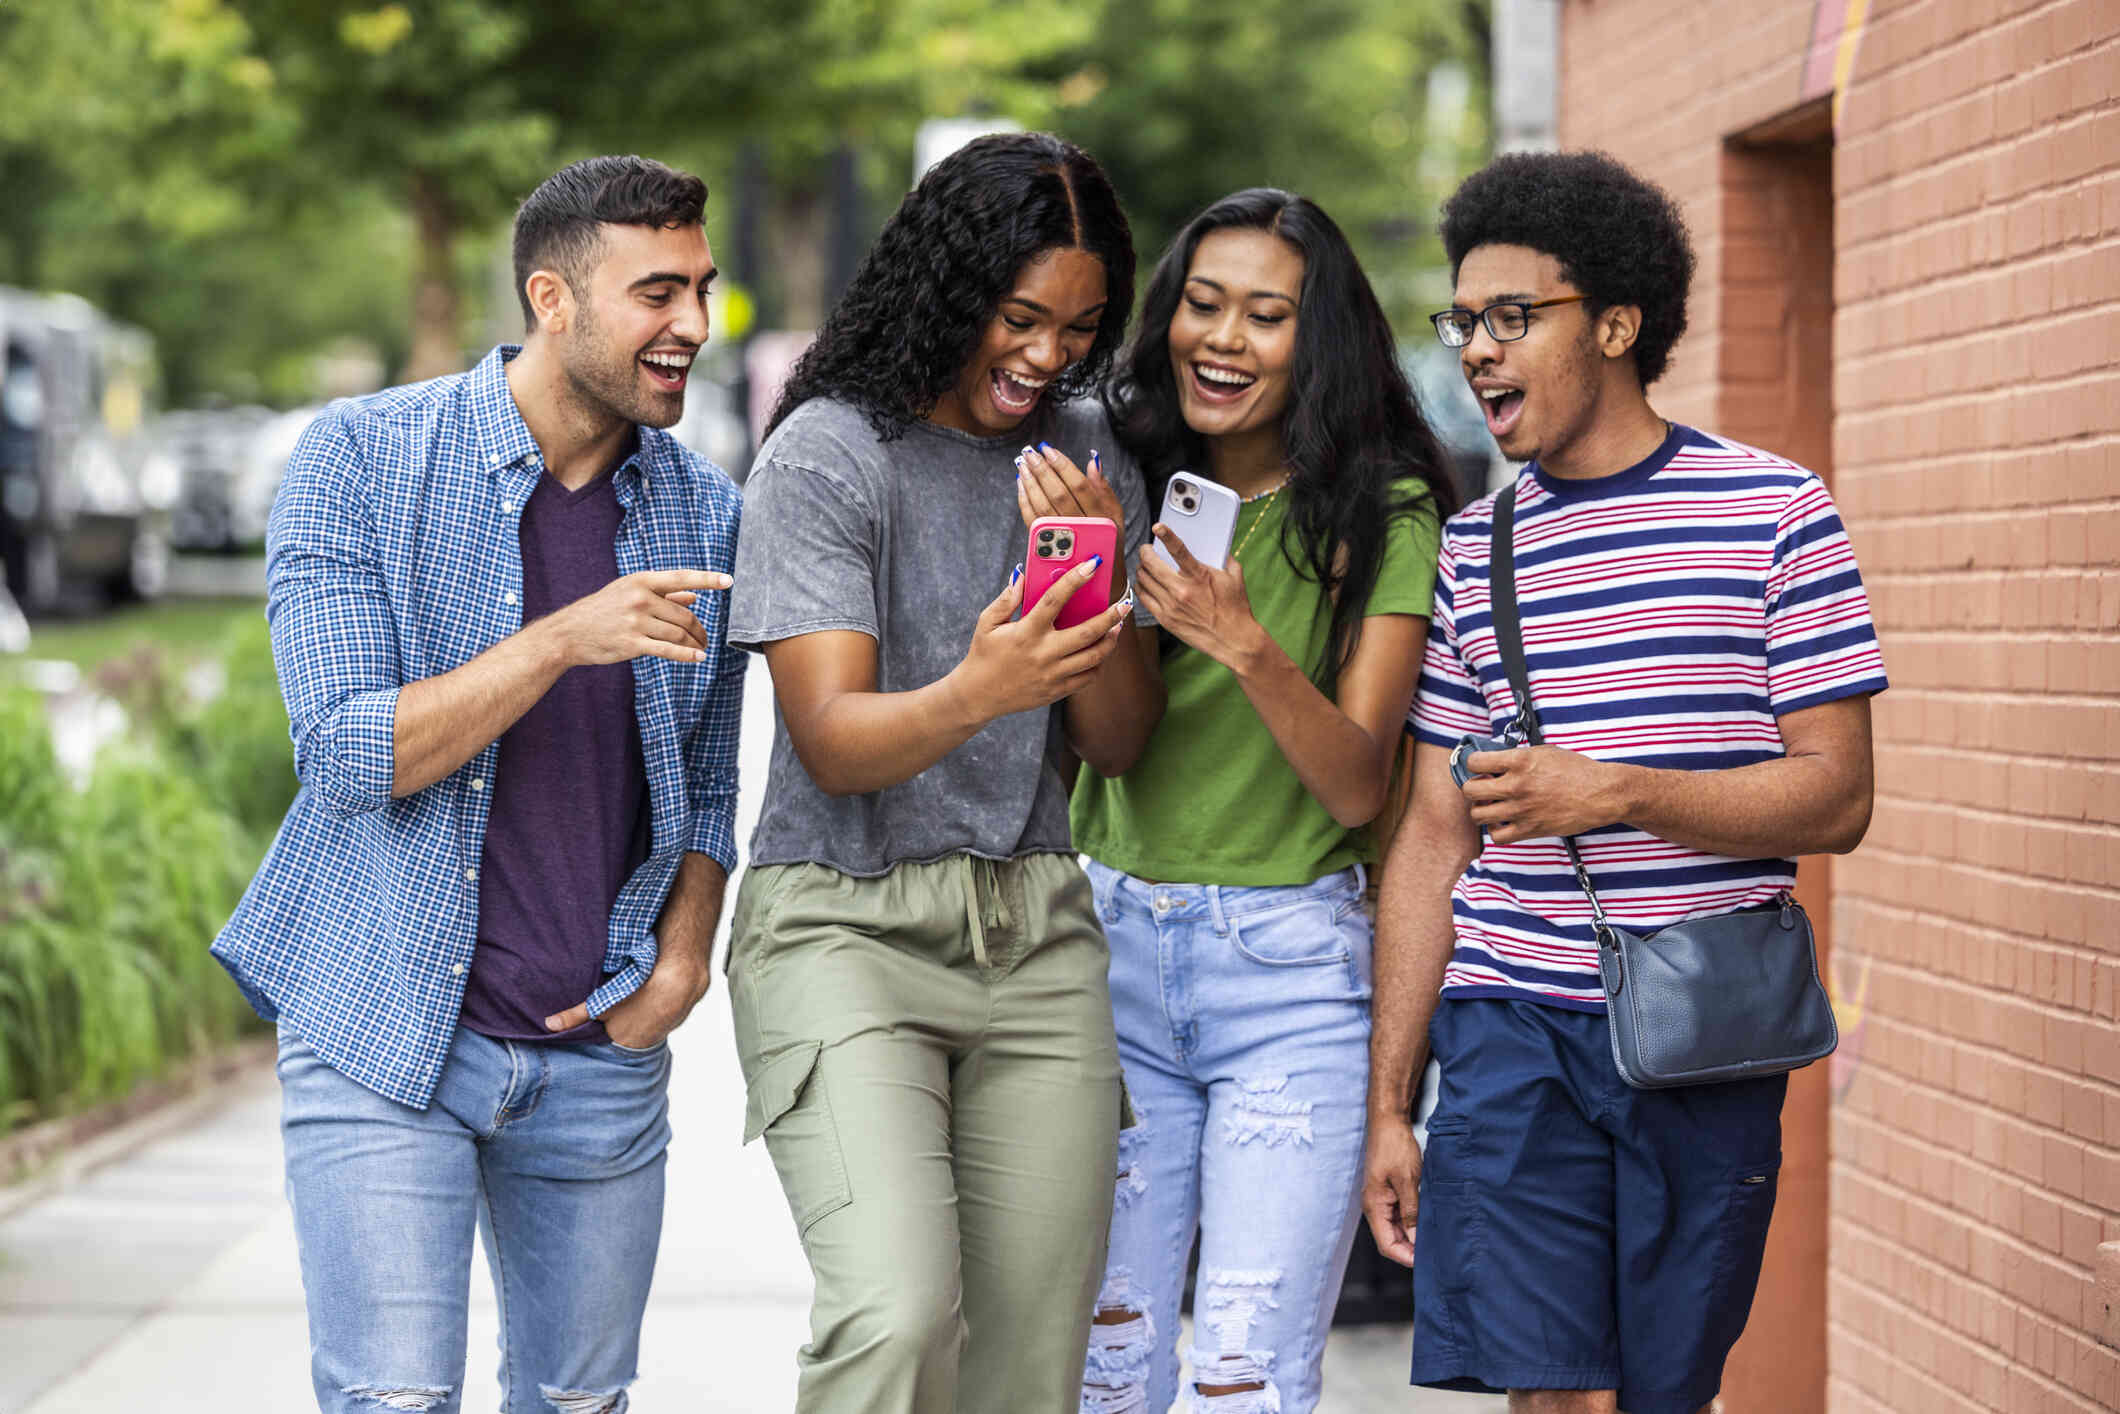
[(496, 612)]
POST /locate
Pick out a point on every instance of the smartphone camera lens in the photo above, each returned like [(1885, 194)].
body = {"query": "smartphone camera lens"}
[(1066, 546), (1045, 535)]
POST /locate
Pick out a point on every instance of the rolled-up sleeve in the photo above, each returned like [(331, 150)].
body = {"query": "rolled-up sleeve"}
[(334, 638), (711, 760), (711, 746)]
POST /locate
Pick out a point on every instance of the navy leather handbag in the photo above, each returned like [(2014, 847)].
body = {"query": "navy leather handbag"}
[(1725, 997)]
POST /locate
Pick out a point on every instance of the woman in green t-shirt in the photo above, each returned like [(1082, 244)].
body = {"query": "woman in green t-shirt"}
[(1229, 861)]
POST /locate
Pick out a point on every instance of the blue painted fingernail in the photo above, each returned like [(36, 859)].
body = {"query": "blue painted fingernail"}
[(1027, 449), (1015, 575), (1045, 447), (1095, 560)]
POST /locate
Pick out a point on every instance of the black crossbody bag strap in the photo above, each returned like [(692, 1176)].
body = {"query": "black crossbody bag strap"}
[(1509, 642)]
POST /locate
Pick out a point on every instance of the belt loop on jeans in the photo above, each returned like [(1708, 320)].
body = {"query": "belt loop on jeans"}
[(1361, 878), (1214, 908)]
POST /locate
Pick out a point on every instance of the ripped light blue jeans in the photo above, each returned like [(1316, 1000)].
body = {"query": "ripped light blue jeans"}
[(555, 1152), (1243, 1019)]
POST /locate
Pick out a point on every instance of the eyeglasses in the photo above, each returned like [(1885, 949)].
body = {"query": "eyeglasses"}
[(1507, 321)]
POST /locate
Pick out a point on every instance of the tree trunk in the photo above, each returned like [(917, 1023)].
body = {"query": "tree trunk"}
[(436, 301), (801, 244)]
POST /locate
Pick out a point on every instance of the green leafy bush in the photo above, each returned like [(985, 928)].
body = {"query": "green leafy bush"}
[(236, 743), (110, 894)]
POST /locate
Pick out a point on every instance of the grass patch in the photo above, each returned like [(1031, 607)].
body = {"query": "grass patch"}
[(184, 630)]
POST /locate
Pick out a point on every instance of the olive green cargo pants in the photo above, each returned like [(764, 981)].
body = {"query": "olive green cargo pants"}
[(930, 1057)]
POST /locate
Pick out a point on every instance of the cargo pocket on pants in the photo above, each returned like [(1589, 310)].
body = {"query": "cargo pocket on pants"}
[(789, 1103), (1449, 1236), (1747, 1194)]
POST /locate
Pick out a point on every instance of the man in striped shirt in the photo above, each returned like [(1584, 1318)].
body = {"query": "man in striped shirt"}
[(1700, 649)]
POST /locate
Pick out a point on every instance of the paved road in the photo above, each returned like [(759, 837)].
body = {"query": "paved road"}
[(165, 1281)]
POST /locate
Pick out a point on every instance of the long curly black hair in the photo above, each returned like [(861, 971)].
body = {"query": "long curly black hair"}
[(917, 306), (1352, 427), (1619, 237)]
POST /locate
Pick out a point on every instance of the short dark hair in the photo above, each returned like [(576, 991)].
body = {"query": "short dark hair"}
[(556, 226), (1619, 238), (921, 298)]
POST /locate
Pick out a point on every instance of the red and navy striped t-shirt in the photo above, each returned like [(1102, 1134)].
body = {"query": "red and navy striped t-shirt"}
[(1670, 614)]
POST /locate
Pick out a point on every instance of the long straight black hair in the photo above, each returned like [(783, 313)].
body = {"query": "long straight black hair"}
[(1352, 427)]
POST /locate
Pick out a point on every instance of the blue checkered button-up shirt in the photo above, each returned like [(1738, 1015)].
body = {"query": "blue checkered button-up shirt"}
[(392, 556)]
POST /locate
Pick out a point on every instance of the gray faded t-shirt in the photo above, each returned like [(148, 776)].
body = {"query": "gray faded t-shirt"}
[(906, 541)]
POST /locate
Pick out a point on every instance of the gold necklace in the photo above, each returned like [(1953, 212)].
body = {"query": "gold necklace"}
[(1258, 520)]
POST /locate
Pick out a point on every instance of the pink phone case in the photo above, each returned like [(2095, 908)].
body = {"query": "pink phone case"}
[(1058, 544)]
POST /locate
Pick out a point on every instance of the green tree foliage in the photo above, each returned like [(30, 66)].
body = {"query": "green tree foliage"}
[(1185, 102), (148, 156), (1182, 100), (250, 178)]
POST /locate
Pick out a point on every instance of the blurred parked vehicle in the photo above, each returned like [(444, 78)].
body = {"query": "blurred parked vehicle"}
[(14, 629), (209, 446), (85, 492), (260, 466), (231, 460)]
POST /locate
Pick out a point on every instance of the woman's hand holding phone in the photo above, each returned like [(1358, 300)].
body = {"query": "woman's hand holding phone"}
[(1207, 608), (1048, 483), (1015, 665)]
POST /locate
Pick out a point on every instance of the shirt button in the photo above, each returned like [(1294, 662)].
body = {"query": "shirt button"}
[(478, 783), (508, 506), (470, 875), (509, 597), (494, 458), (457, 970)]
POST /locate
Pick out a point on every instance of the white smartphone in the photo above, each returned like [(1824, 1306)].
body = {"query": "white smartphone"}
[(1201, 513)]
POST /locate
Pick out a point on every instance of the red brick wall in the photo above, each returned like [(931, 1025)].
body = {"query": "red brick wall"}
[(1975, 452)]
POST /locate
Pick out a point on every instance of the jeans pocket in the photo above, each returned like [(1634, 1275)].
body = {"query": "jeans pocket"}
[(639, 1052), (1303, 934), (789, 1103)]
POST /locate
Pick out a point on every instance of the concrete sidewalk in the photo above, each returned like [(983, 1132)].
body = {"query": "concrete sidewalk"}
[(166, 1280)]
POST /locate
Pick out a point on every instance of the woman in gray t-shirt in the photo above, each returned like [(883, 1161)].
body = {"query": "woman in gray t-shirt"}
[(917, 972)]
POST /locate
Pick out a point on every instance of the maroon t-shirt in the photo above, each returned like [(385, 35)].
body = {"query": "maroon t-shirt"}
[(569, 821)]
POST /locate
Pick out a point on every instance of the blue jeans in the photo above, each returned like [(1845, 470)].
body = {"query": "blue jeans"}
[(1243, 1018), (555, 1152)]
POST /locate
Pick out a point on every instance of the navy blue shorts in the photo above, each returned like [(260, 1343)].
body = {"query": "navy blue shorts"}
[(1577, 1233)]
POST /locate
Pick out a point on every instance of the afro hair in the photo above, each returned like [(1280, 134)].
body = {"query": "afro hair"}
[(1618, 237)]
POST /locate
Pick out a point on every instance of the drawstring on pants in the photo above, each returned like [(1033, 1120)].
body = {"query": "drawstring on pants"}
[(980, 871)]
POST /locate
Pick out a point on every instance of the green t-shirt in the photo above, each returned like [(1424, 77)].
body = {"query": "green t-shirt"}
[(1212, 799)]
